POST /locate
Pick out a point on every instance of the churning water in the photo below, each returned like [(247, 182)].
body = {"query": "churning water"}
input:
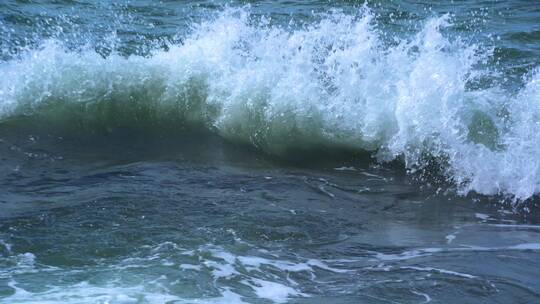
[(270, 151)]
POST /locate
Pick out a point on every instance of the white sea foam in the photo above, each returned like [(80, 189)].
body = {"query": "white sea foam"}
[(423, 252), (425, 295), (442, 271), (276, 292), (87, 293), (229, 266)]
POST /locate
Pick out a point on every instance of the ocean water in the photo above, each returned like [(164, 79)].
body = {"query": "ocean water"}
[(269, 151)]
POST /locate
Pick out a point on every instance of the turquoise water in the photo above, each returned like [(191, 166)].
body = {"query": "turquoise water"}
[(269, 152)]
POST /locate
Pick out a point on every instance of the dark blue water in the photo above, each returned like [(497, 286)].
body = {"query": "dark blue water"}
[(269, 152)]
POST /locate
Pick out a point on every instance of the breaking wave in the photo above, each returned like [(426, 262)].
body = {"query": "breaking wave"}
[(334, 84)]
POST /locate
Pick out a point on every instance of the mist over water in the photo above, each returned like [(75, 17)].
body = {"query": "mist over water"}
[(310, 151)]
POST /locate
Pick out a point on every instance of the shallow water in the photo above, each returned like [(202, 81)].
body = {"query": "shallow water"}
[(280, 152)]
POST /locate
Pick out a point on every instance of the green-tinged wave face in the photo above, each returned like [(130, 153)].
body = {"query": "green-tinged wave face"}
[(334, 84)]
